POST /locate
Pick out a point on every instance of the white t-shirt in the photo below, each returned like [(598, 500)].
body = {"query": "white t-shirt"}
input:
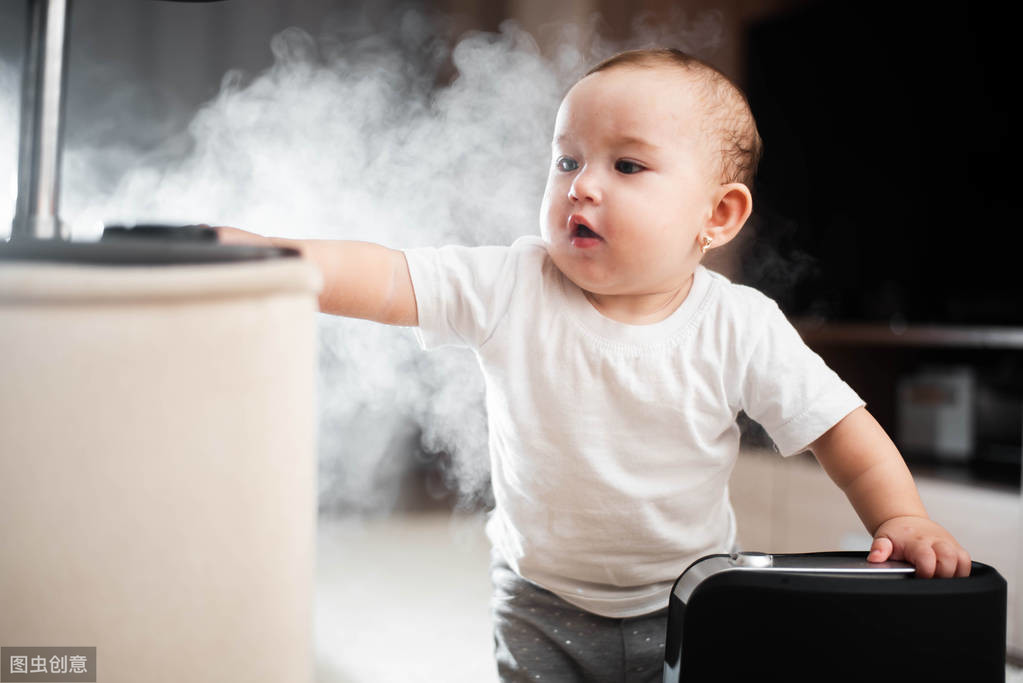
[(612, 444)]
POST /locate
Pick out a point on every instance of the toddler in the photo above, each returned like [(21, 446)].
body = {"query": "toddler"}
[(615, 366)]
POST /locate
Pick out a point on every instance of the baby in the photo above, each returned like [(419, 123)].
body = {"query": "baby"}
[(615, 366)]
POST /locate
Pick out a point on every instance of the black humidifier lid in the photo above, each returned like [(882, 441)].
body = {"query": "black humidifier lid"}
[(142, 245)]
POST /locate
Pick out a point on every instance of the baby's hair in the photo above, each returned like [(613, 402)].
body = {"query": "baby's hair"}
[(728, 110)]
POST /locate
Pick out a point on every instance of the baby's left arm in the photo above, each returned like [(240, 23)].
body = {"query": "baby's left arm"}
[(862, 460)]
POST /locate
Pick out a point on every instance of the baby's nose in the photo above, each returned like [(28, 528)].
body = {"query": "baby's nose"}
[(585, 187)]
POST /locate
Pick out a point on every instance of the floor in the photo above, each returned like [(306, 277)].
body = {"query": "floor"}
[(405, 598)]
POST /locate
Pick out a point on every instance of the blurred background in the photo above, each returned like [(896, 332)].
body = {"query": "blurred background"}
[(882, 208)]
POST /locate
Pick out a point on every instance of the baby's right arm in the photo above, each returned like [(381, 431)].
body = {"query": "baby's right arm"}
[(360, 279)]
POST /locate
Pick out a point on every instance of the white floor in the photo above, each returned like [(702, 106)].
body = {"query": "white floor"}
[(406, 598)]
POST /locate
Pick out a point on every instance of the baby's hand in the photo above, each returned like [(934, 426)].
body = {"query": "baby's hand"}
[(226, 235), (922, 543)]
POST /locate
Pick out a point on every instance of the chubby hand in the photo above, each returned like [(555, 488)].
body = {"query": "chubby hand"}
[(922, 543), (226, 235)]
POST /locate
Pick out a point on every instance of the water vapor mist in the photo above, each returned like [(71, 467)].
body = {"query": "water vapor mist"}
[(9, 93), (392, 137)]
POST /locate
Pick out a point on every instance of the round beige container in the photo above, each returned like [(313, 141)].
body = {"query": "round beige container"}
[(157, 467)]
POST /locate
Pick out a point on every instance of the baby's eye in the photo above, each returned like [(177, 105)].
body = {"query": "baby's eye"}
[(628, 167), (567, 164)]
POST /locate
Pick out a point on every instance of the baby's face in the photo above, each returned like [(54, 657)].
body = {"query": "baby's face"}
[(631, 182)]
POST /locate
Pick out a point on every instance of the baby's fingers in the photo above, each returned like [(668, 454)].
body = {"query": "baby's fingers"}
[(955, 561), (939, 559), (880, 550), (965, 564), (947, 560), (227, 235), (922, 543), (922, 556)]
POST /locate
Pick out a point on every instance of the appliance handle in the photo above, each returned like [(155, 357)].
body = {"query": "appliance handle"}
[(792, 563)]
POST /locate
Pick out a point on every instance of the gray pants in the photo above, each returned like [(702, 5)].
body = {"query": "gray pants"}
[(539, 636)]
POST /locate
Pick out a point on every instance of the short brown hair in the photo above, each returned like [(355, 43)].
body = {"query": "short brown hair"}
[(728, 111)]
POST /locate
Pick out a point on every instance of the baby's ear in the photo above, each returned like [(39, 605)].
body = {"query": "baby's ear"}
[(734, 205)]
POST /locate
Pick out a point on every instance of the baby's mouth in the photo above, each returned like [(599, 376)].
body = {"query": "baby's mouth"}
[(580, 229)]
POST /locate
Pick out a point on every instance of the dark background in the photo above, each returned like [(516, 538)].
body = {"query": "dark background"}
[(888, 181)]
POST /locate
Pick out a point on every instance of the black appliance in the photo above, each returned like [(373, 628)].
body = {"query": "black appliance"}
[(832, 616)]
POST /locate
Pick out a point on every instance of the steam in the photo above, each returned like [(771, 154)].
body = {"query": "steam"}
[(368, 138), (9, 89)]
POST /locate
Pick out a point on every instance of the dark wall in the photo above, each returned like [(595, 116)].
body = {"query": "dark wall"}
[(886, 191)]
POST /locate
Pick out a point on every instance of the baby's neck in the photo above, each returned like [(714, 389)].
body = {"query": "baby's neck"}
[(640, 309)]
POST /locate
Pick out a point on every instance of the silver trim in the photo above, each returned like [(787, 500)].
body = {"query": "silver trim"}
[(752, 559), (37, 208), (791, 563)]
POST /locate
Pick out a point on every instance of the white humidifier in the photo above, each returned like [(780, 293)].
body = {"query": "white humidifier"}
[(157, 458)]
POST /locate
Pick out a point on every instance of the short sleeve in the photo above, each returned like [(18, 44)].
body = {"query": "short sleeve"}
[(461, 292), (789, 389)]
